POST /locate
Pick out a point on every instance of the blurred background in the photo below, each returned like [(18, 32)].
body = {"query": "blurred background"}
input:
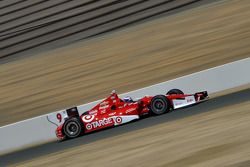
[(61, 53)]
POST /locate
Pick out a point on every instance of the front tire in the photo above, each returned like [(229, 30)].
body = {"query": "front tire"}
[(175, 91), (159, 105), (73, 128)]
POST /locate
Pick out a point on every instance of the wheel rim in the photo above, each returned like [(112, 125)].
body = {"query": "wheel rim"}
[(159, 105), (72, 129)]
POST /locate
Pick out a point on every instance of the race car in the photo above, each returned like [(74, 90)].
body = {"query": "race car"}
[(114, 111)]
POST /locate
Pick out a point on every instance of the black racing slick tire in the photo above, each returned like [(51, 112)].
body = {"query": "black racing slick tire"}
[(159, 105), (175, 91), (73, 127)]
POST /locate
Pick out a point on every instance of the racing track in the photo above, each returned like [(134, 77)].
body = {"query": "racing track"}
[(54, 147)]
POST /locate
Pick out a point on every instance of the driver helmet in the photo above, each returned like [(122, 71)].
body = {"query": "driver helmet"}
[(128, 99)]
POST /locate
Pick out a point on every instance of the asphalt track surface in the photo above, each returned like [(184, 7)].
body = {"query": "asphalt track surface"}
[(212, 104), (31, 27)]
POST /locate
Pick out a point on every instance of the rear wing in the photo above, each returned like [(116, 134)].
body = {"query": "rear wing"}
[(58, 118)]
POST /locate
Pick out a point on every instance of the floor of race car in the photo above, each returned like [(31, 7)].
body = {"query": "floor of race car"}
[(213, 133), (149, 53)]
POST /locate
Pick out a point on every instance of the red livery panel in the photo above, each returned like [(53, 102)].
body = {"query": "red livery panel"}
[(114, 111)]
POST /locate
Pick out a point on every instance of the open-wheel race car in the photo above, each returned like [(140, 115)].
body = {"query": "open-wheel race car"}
[(114, 111)]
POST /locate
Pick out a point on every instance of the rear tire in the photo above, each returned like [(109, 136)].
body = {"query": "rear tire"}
[(73, 127), (175, 91), (159, 105)]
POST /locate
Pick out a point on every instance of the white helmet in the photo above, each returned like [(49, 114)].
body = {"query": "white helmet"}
[(128, 99)]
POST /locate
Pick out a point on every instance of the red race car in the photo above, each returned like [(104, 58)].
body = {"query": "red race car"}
[(114, 111)]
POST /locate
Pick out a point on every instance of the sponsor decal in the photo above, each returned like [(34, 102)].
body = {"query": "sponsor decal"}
[(104, 105), (92, 112), (130, 110), (118, 120), (89, 126), (178, 103), (115, 120), (123, 119), (189, 100), (113, 113), (103, 111), (88, 118), (99, 123)]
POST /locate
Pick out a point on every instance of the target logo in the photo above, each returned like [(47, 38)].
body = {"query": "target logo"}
[(118, 120), (89, 126), (88, 118)]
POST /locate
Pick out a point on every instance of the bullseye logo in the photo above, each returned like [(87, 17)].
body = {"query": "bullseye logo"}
[(89, 126), (118, 120), (88, 118)]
